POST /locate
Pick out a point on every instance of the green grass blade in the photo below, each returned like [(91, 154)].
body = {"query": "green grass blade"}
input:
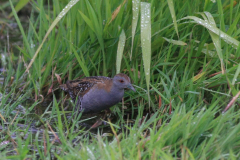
[(146, 38), (180, 43), (81, 63), (216, 40), (172, 11), (20, 27), (121, 44), (88, 21), (215, 30), (135, 10), (59, 17), (19, 6)]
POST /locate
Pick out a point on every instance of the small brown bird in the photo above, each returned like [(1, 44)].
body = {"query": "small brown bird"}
[(97, 93)]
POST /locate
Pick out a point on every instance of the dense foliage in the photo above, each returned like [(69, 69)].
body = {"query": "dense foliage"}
[(182, 57)]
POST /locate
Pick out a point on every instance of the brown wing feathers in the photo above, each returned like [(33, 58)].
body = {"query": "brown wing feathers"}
[(80, 87)]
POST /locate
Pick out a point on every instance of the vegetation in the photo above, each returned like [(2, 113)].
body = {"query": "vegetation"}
[(182, 56)]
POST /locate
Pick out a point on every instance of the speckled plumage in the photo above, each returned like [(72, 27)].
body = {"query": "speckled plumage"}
[(97, 93)]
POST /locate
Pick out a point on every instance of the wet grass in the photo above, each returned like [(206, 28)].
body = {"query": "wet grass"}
[(184, 63)]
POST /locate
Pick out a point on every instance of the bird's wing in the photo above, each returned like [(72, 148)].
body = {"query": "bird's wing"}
[(78, 88)]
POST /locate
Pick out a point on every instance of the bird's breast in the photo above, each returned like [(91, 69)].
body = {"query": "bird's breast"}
[(99, 99)]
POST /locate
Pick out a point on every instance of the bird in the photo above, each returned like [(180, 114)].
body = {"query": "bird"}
[(97, 93)]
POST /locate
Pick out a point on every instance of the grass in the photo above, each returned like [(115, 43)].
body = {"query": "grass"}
[(182, 57)]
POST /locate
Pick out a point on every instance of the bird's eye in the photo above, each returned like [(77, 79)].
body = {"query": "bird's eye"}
[(121, 80)]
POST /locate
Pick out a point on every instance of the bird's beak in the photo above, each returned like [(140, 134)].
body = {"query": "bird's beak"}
[(131, 87)]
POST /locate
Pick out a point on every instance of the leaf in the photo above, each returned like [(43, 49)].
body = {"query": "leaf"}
[(180, 43), (121, 44), (172, 11), (135, 10), (146, 38), (115, 13), (228, 39), (88, 21), (19, 6)]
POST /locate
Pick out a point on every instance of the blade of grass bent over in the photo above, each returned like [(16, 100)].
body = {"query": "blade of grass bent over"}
[(233, 42), (216, 40), (59, 17)]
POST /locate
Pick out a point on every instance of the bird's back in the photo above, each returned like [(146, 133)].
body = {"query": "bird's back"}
[(82, 86)]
